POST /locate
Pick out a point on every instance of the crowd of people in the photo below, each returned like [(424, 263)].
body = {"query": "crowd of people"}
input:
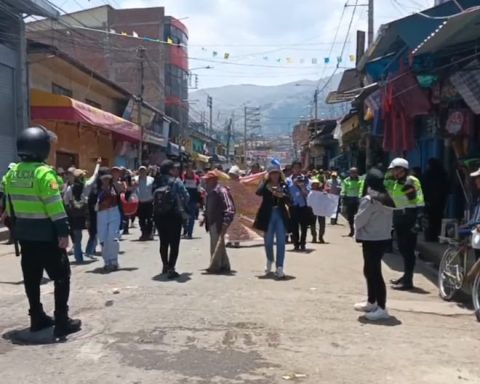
[(170, 198)]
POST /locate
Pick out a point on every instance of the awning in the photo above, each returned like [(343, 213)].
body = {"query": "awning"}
[(47, 106), (457, 30), (342, 97)]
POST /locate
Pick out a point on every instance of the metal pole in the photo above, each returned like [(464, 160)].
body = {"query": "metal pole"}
[(370, 22), (210, 106), (141, 56), (315, 100), (245, 137)]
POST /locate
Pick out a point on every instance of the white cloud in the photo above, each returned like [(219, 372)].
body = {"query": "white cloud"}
[(252, 29)]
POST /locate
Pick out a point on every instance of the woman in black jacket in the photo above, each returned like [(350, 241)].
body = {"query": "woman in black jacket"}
[(273, 217)]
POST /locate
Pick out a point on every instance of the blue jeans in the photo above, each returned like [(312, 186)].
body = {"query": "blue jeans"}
[(276, 227), (192, 209), (108, 230), (91, 245), (77, 245)]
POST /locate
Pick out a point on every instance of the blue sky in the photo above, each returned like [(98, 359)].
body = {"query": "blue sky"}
[(257, 33)]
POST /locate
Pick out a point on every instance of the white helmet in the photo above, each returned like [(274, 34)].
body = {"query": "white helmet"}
[(399, 163)]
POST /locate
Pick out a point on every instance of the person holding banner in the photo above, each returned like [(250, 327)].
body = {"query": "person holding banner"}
[(273, 217), (317, 188)]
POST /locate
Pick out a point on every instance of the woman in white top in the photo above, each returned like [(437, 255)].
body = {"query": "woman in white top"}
[(373, 227)]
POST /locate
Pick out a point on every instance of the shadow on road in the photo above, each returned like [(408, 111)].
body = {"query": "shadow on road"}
[(229, 273), (391, 322), (307, 251), (84, 262), (42, 282), (395, 263), (25, 337), (183, 278), (102, 271)]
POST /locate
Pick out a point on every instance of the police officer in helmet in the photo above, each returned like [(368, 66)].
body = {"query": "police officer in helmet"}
[(406, 192), (41, 227)]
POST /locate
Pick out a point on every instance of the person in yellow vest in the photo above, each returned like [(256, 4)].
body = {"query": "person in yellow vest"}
[(351, 197), (406, 192), (40, 225)]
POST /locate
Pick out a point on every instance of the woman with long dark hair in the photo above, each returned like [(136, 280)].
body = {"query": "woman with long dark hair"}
[(273, 217), (109, 220), (373, 228)]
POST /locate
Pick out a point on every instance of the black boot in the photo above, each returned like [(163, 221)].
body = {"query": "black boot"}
[(314, 239), (40, 320), (65, 326)]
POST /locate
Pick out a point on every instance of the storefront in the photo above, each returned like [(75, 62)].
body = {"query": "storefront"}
[(84, 133)]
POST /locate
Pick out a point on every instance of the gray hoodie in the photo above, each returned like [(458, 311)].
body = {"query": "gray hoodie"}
[(374, 220)]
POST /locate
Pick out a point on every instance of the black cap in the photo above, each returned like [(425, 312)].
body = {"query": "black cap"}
[(34, 144)]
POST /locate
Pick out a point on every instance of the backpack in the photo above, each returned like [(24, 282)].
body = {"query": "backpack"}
[(164, 199)]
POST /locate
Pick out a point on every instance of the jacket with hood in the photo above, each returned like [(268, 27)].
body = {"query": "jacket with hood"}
[(374, 219)]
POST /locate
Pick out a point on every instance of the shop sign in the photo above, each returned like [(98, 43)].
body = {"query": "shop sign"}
[(455, 123)]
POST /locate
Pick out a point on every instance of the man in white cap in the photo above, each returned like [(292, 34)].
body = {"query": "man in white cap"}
[(406, 192)]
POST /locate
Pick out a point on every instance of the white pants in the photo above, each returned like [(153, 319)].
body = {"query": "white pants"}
[(108, 231)]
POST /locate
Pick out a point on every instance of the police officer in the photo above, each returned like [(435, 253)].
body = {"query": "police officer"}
[(41, 227), (406, 192), (350, 197)]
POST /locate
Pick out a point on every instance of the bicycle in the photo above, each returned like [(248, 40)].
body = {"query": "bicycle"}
[(454, 272)]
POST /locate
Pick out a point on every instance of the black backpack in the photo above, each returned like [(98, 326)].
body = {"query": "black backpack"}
[(164, 200)]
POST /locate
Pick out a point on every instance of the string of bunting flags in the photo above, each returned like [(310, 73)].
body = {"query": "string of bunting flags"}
[(228, 55)]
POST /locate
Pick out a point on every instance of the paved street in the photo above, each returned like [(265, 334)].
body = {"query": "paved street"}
[(242, 328)]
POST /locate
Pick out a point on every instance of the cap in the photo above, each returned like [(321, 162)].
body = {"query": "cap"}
[(476, 173), (315, 180), (79, 173), (210, 176), (71, 170), (142, 167), (334, 173), (399, 163), (234, 170), (273, 168)]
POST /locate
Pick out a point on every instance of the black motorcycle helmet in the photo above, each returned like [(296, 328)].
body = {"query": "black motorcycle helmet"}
[(33, 144)]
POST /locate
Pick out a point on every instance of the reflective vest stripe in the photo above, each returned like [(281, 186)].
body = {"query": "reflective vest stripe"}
[(29, 215), (16, 197), (58, 216), (52, 199)]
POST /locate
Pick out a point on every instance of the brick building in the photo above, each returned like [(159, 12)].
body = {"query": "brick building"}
[(118, 57)]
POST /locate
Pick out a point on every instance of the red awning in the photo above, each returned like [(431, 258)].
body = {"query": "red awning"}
[(47, 106)]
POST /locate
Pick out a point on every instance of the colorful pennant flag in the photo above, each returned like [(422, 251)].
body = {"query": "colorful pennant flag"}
[(302, 61), (314, 61), (339, 59), (289, 60), (214, 53), (265, 58), (326, 60), (204, 49), (169, 41), (226, 56), (135, 34), (279, 60), (124, 34), (352, 58)]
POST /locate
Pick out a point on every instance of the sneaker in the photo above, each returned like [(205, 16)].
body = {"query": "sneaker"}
[(279, 274), (40, 321), (269, 267), (64, 327), (365, 307), (172, 274), (377, 315)]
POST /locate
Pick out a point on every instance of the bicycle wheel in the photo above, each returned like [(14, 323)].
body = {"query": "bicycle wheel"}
[(451, 273), (476, 296)]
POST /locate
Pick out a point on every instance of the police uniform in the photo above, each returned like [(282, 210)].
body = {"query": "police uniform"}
[(408, 197), (350, 198), (36, 207)]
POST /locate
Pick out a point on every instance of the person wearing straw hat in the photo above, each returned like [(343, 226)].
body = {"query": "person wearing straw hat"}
[(273, 217), (218, 215)]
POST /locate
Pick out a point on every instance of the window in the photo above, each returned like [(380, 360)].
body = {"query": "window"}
[(59, 90), (93, 103)]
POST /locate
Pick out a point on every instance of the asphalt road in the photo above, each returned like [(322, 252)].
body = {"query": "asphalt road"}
[(243, 328)]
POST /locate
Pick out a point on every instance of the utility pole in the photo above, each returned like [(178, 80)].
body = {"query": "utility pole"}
[(210, 106), (245, 136), (229, 136), (371, 25), (141, 56), (315, 101)]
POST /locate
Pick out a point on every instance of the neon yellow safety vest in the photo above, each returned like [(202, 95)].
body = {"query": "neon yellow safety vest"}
[(350, 187), (399, 197), (35, 196)]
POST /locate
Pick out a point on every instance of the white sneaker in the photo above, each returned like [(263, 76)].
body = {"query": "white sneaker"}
[(269, 267), (279, 274), (365, 307), (378, 314)]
